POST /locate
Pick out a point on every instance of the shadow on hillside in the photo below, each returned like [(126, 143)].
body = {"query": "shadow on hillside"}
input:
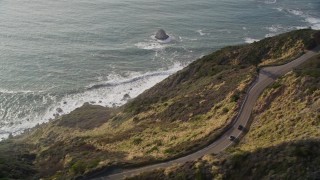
[(15, 161), (269, 74), (293, 160), (87, 117)]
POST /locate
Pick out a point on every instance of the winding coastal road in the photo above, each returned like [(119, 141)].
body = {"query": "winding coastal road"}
[(266, 77)]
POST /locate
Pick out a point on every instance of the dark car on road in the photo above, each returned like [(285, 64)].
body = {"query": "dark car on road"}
[(240, 127), (232, 138)]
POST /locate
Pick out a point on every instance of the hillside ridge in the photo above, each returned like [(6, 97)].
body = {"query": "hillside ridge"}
[(180, 115), (266, 77), (282, 140)]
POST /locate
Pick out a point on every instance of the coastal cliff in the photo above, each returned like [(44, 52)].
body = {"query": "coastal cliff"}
[(282, 142), (179, 115)]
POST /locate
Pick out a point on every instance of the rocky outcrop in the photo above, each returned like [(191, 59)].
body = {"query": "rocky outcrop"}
[(59, 110), (161, 35), (125, 97)]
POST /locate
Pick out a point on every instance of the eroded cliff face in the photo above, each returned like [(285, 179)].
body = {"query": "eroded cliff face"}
[(178, 115)]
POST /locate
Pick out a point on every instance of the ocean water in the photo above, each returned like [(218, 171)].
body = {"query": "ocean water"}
[(63, 53)]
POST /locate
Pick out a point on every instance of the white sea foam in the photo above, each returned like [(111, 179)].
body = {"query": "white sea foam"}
[(201, 32), (250, 40), (5, 91), (275, 28), (154, 44), (270, 1), (188, 39), (270, 35), (110, 93), (150, 45), (300, 27), (314, 22), (316, 26), (169, 39), (295, 12), (279, 9)]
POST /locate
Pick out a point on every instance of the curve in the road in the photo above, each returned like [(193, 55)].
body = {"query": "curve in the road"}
[(266, 77)]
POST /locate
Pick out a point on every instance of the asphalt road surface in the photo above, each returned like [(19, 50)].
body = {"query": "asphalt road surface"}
[(266, 77)]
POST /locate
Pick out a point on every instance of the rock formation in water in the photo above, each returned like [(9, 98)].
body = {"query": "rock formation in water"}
[(161, 35)]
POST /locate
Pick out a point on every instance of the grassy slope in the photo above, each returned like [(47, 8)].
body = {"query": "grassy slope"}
[(178, 115), (283, 141)]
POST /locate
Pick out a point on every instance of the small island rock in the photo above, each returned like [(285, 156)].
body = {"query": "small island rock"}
[(161, 35)]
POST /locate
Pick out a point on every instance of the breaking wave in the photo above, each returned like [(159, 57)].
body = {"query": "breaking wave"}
[(46, 106)]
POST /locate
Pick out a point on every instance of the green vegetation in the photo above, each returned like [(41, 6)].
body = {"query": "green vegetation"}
[(296, 160), (276, 85), (181, 114), (292, 112), (310, 68), (87, 117), (16, 161), (283, 141)]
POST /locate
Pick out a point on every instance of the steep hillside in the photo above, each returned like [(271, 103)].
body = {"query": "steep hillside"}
[(183, 113), (282, 143)]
